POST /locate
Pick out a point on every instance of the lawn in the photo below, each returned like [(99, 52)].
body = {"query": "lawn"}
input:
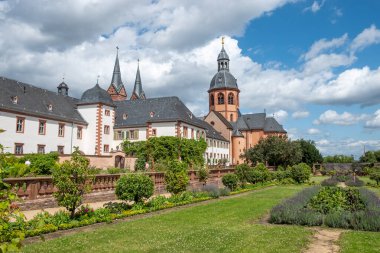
[(358, 241), (223, 226), (318, 179)]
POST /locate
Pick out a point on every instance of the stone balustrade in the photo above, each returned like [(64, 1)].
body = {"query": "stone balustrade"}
[(41, 188)]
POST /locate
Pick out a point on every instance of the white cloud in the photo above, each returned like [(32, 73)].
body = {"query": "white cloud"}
[(366, 38), (344, 119), (374, 121), (281, 116), (300, 114), (347, 147), (316, 6), (323, 45), (313, 131)]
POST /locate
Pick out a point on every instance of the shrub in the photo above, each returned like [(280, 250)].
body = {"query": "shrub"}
[(116, 207), (134, 187), (242, 171), (332, 181), (116, 170), (225, 192), (41, 164), (375, 176), (212, 190), (230, 181), (203, 175), (140, 164), (300, 172), (73, 179), (157, 202), (176, 177), (354, 182)]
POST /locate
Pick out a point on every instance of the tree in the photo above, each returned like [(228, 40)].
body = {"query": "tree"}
[(242, 172), (73, 179), (300, 172), (375, 176), (338, 159), (230, 181), (176, 177), (134, 187), (275, 151), (370, 157), (310, 153)]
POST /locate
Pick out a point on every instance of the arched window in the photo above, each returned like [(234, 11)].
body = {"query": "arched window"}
[(212, 99), (230, 98), (220, 99), (231, 117)]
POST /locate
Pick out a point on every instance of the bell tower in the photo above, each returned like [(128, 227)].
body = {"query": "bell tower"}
[(224, 92)]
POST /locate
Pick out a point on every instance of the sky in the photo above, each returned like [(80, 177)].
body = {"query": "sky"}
[(313, 64)]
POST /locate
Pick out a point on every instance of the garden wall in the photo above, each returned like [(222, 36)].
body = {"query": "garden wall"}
[(36, 192)]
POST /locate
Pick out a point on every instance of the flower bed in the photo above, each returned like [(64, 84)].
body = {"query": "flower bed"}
[(336, 207), (44, 222)]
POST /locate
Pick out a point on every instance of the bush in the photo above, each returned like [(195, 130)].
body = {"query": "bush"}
[(140, 164), (375, 176), (300, 173), (332, 181), (354, 182), (176, 177), (242, 172), (212, 190), (225, 192), (73, 179), (134, 187), (116, 207), (230, 181), (116, 170), (41, 164), (203, 175)]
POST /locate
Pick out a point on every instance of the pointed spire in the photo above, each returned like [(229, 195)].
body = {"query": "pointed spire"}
[(116, 77), (138, 92), (223, 59)]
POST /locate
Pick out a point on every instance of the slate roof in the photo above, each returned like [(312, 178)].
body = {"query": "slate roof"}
[(223, 79), (96, 95), (35, 101), (223, 55), (257, 121), (137, 89), (116, 76), (212, 133), (140, 112)]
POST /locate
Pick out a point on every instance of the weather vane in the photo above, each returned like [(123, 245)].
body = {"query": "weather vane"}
[(223, 41), (97, 79)]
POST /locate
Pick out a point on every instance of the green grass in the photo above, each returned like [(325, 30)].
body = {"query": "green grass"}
[(318, 179), (357, 241), (223, 226)]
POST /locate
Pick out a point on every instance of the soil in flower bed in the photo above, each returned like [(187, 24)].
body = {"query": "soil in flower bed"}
[(348, 208)]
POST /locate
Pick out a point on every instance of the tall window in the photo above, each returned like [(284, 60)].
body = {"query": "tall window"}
[(212, 99), (61, 130), (42, 127), (106, 148), (220, 99), (19, 148), (79, 132), (118, 135), (40, 149), (61, 150), (154, 132), (230, 98), (231, 117), (20, 123), (133, 134), (106, 129), (107, 112), (185, 132)]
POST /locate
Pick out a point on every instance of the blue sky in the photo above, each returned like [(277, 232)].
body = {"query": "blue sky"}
[(312, 63)]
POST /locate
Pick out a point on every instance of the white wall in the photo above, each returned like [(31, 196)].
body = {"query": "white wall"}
[(164, 128), (217, 150), (31, 138), (88, 113)]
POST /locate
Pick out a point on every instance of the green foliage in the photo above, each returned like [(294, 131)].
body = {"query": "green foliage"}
[(230, 181), (134, 187), (300, 173), (203, 174), (116, 170), (140, 164), (310, 153), (242, 172), (176, 177), (338, 159), (72, 179), (370, 157), (41, 164), (167, 148), (375, 176), (330, 199), (276, 151)]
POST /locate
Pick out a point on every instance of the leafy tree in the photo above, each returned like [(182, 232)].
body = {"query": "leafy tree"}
[(375, 176), (310, 153), (73, 179), (230, 181), (338, 159), (276, 151), (134, 187), (242, 172), (370, 157), (176, 177)]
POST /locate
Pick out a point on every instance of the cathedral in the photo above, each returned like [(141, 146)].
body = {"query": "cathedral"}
[(37, 120)]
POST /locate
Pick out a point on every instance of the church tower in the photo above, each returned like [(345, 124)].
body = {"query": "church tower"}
[(116, 88), (224, 92), (138, 92)]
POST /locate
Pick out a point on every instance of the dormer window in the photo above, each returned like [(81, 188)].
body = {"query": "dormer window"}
[(125, 116), (50, 107), (14, 100)]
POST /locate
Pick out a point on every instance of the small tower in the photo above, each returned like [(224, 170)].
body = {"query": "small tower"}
[(224, 91), (116, 88), (138, 92), (63, 88)]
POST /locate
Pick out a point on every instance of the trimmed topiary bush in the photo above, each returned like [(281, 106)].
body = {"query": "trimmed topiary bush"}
[(230, 181), (176, 177), (134, 187)]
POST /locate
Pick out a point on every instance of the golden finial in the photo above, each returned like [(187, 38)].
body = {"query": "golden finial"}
[(223, 41)]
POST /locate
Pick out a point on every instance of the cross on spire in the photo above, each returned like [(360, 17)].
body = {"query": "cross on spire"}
[(97, 79)]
